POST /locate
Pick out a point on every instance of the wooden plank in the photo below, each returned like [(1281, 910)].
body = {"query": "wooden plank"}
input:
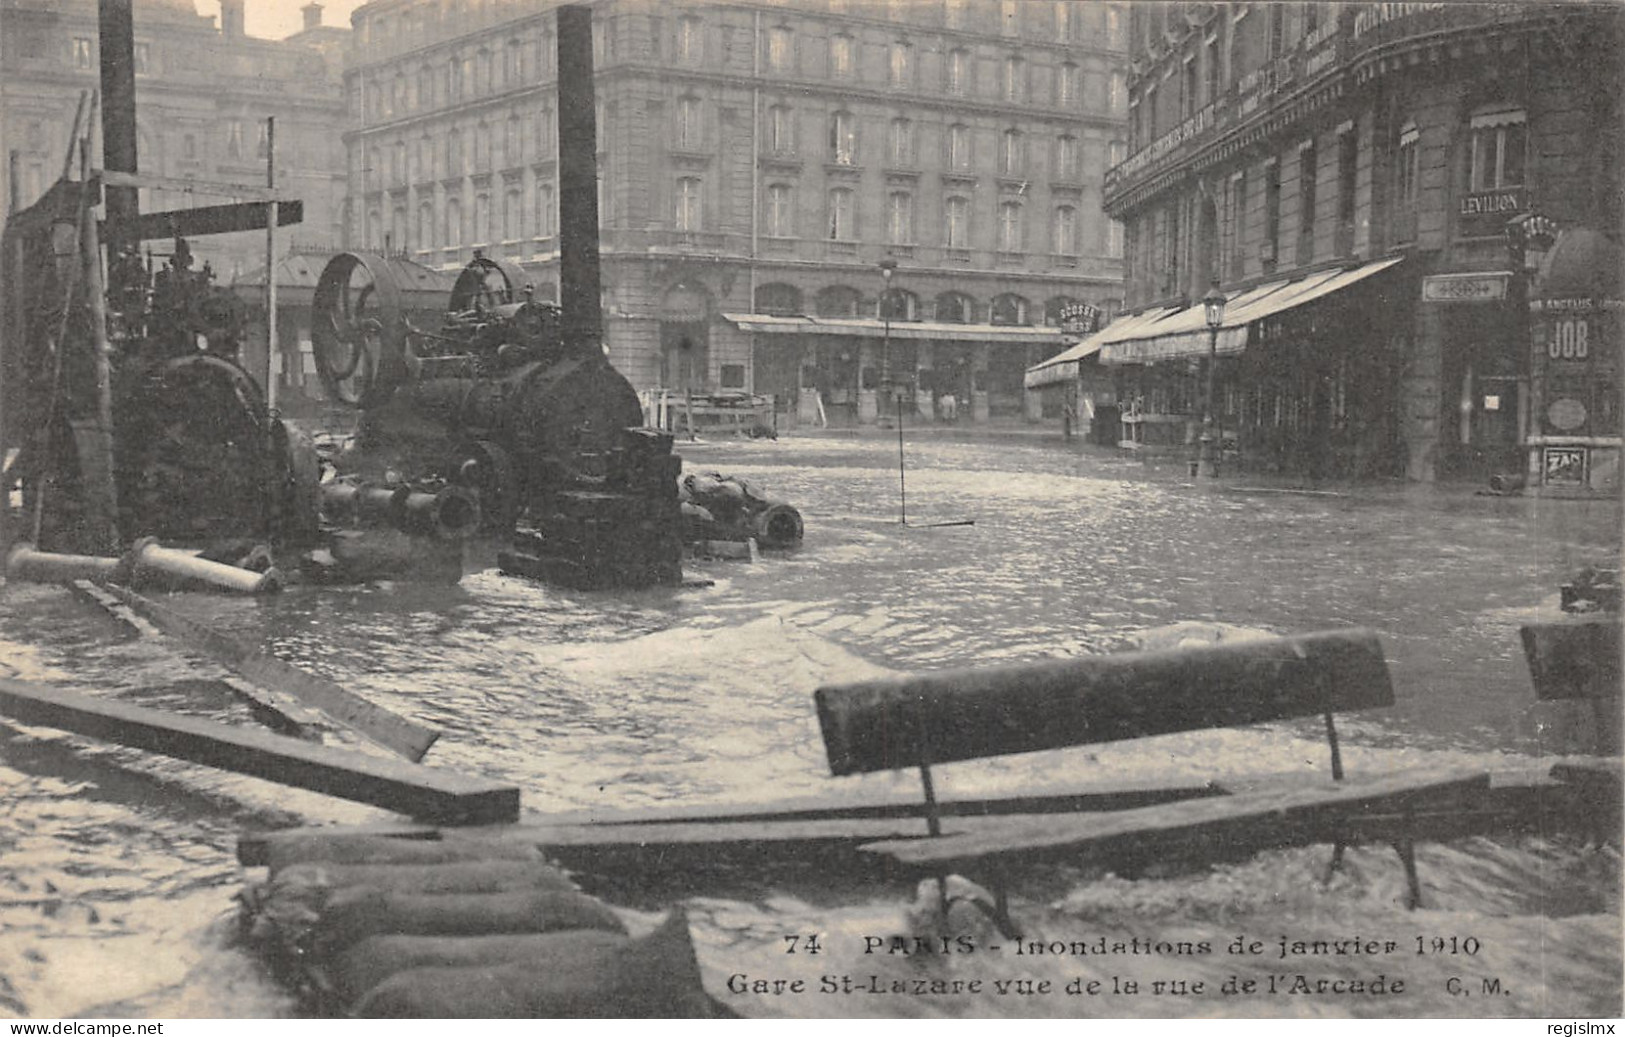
[(204, 220), (969, 714), (393, 732), (1275, 816), (443, 797), (1574, 659), (242, 192)]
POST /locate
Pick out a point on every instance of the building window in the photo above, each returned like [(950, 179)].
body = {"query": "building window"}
[(544, 210), (454, 80), (780, 211), (1116, 152), (688, 123), (779, 300), (958, 71), (1115, 91), (397, 159), (1210, 58), (1010, 152), (1495, 150), (902, 143), (426, 225), (840, 55), (454, 153), (513, 153), (513, 65), (482, 72), (1114, 27), (1066, 158), (1010, 227), (1065, 240), (234, 139), (953, 308), (1008, 309), (1272, 212), (959, 147), (900, 218), (843, 139), (1347, 153), (1013, 74), (901, 67), (1308, 191), (397, 229), (780, 130), (1408, 181), (899, 304), (688, 203), (1238, 225), (143, 58), (189, 147), (957, 223), (1067, 86), (83, 54), (1188, 101), (482, 219), (779, 43), (546, 138), (375, 229), (689, 49), (840, 215), (512, 203), (1114, 239), (454, 223)]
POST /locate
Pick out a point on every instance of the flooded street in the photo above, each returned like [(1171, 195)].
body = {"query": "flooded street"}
[(118, 866)]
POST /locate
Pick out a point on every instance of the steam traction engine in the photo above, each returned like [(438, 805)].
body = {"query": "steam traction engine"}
[(499, 401)]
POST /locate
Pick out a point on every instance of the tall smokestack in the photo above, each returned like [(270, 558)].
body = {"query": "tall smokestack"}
[(313, 16), (117, 30), (579, 291), (231, 17)]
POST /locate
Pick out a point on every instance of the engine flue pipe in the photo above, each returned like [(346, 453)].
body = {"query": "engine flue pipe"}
[(580, 294), (147, 556), (452, 513)]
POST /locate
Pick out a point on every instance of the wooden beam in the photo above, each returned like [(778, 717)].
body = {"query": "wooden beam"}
[(1268, 818), (968, 714), (209, 219), (393, 732), (215, 188), (442, 797)]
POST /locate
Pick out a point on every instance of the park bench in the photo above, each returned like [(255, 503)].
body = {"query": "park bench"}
[(1578, 659), (929, 720)]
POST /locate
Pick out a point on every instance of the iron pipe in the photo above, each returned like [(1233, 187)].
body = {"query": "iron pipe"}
[(148, 556), (31, 566)]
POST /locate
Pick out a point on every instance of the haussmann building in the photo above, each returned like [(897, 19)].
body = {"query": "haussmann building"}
[(1410, 212), (758, 163)]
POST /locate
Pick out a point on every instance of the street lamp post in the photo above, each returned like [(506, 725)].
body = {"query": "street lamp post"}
[(1213, 310), (888, 266)]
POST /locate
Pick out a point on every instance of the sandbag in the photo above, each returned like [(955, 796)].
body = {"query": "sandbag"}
[(657, 976), (293, 900), (299, 847), (375, 959), (354, 914)]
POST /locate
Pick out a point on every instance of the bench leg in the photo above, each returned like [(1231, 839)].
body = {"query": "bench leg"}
[(1334, 865), (1406, 848)]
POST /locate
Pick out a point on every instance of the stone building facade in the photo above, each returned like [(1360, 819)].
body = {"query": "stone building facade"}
[(203, 93), (1378, 190), (757, 164)]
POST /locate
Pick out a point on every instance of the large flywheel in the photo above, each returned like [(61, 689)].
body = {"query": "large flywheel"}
[(487, 283), (358, 330)]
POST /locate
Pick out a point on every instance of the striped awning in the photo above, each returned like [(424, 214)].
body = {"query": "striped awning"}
[(870, 327), (1063, 366), (1186, 334)]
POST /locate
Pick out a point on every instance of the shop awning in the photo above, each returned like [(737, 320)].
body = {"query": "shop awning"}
[(1186, 334), (1063, 366), (870, 327)]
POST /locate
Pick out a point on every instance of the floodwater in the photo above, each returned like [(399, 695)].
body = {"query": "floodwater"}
[(117, 869)]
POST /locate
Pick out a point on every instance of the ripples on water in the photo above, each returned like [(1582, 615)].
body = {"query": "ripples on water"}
[(112, 863)]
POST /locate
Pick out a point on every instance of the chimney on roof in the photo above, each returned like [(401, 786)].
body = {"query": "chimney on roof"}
[(231, 17), (313, 15)]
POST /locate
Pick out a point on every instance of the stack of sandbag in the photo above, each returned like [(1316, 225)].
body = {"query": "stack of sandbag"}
[(377, 927)]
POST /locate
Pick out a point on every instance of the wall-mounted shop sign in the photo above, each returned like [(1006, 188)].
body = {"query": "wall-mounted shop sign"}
[(1484, 212), (1487, 287), (1080, 318), (1564, 465)]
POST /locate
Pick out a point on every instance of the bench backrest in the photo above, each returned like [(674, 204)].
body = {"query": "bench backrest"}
[(1574, 659), (969, 714)]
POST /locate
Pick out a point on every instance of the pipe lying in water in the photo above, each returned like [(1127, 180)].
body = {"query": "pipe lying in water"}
[(452, 513), (148, 557), (30, 566)]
